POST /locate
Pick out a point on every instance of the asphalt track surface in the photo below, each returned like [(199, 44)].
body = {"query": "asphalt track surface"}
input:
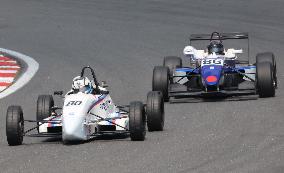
[(124, 40)]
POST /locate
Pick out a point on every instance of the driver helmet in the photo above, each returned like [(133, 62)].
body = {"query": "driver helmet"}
[(82, 84), (216, 47)]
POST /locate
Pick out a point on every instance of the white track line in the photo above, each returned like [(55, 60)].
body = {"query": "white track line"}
[(7, 79), (31, 69), (8, 61), (8, 71), (3, 67)]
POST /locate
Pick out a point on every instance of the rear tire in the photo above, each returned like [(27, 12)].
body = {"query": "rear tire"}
[(265, 82), (268, 57), (160, 81), (137, 121), (172, 62), (44, 105), (155, 111), (14, 125)]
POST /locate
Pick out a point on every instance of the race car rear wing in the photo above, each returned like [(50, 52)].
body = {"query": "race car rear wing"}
[(223, 36)]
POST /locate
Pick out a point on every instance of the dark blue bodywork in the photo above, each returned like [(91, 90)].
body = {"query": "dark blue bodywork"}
[(213, 70)]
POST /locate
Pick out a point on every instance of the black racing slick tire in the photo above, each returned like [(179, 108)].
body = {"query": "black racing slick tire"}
[(172, 62), (264, 79), (44, 106), (160, 81), (155, 111), (14, 125), (137, 121), (268, 57)]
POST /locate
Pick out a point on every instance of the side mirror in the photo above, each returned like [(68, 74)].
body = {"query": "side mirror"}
[(104, 84), (58, 93)]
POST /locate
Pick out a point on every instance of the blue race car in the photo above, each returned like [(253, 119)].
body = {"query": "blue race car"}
[(216, 72)]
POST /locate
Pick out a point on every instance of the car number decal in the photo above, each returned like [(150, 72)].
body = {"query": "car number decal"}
[(212, 62), (73, 103)]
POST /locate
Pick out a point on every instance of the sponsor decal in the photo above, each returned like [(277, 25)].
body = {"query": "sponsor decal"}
[(105, 105)]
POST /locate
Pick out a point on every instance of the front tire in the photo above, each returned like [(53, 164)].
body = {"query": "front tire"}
[(160, 81), (265, 82), (268, 57), (137, 121), (155, 111), (14, 125)]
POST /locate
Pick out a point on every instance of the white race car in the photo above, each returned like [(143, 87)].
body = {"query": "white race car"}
[(85, 115)]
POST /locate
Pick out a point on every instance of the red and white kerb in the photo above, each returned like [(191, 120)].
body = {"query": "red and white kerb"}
[(9, 68)]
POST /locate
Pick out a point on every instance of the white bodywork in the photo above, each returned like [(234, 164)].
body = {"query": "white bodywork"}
[(195, 54), (83, 114)]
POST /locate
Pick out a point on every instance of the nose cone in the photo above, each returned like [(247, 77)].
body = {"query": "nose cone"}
[(211, 75), (73, 128)]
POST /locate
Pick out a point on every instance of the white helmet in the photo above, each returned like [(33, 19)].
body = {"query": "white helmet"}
[(83, 84)]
